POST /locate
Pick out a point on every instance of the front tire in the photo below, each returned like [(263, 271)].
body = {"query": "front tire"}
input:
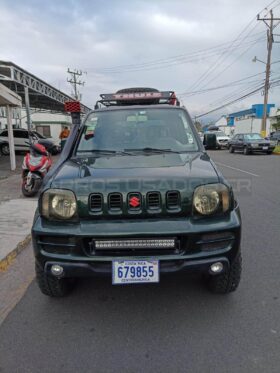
[(231, 149), (269, 152), (228, 281), (52, 286), (33, 190), (246, 151)]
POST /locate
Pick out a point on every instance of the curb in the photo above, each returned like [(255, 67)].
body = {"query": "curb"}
[(7, 261)]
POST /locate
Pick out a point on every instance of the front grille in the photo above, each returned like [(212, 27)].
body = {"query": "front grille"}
[(95, 202), (115, 201), (135, 203), (153, 200), (172, 200)]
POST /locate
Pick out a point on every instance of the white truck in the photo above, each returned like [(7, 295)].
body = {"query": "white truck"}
[(250, 125)]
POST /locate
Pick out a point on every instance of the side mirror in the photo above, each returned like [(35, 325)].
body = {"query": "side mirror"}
[(210, 141)]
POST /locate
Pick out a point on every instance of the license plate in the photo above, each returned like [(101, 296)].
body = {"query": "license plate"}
[(135, 271), (265, 147)]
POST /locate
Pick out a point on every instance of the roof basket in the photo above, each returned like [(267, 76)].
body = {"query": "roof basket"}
[(137, 96)]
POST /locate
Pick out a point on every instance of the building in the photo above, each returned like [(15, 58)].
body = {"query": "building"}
[(250, 120), (47, 123)]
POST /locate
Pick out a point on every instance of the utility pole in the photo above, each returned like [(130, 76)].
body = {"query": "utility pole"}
[(75, 81), (269, 23)]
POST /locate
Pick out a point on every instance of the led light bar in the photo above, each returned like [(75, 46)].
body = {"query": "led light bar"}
[(136, 95), (135, 244), (131, 96)]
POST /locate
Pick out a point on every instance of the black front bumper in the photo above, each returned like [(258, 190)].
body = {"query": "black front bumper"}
[(69, 247), (105, 269)]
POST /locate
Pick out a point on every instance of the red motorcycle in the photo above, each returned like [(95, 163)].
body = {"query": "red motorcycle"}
[(35, 165)]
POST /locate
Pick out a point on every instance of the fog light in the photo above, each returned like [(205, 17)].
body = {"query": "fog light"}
[(56, 270), (217, 267)]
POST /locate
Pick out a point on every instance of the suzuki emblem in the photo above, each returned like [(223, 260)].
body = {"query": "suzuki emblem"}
[(134, 202)]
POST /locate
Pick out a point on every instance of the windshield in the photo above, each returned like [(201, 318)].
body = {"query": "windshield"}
[(136, 130), (253, 136)]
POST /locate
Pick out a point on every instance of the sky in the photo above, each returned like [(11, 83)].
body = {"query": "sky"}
[(191, 47)]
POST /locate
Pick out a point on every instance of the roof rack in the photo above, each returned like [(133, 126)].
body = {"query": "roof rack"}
[(124, 98)]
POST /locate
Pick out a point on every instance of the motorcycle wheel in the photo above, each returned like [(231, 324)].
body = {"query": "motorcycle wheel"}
[(31, 192)]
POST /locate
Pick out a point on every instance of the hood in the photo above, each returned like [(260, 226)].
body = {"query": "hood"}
[(135, 174), (223, 137), (258, 141)]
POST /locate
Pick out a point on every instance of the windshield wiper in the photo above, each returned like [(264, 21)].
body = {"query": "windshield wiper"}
[(104, 152), (154, 150)]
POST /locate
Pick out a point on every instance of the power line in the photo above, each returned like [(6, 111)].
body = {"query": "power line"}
[(219, 60), (231, 102), (231, 48), (275, 83), (226, 85), (168, 62), (232, 63)]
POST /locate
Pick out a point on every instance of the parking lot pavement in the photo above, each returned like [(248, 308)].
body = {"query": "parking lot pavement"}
[(16, 216), (174, 326)]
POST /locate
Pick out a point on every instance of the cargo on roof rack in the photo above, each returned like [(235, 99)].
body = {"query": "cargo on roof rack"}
[(137, 96)]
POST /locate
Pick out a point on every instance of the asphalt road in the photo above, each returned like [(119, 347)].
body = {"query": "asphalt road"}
[(176, 326)]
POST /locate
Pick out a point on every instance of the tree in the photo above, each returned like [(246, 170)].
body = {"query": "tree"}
[(198, 126), (276, 125)]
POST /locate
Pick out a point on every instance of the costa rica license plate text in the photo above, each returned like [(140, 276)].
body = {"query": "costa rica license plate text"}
[(135, 271)]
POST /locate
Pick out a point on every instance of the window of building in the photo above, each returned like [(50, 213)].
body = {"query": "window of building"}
[(44, 130)]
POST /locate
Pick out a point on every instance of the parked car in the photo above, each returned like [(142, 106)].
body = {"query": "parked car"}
[(210, 141), (275, 138), (249, 143), (134, 196), (222, 138), (55, 149), (21, 141)]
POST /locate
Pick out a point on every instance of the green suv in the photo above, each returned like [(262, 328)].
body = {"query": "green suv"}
[(135, 196)]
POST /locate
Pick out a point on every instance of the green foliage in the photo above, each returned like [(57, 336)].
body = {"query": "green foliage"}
[(276, 126), (277, 149)]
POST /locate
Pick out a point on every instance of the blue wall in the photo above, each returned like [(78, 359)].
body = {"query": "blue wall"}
[(256, 111), (258, 108)]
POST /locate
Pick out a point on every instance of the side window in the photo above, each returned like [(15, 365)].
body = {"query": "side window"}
[(21, 134), (241, 137), (4, 134)]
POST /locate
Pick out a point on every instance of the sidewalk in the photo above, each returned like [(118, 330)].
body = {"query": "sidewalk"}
[(16, 216), (5, 166)]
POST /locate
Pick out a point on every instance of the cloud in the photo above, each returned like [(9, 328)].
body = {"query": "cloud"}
[(46, 38)]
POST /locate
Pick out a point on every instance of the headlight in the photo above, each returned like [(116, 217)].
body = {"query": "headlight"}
[(211, 198), (59, 204)]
